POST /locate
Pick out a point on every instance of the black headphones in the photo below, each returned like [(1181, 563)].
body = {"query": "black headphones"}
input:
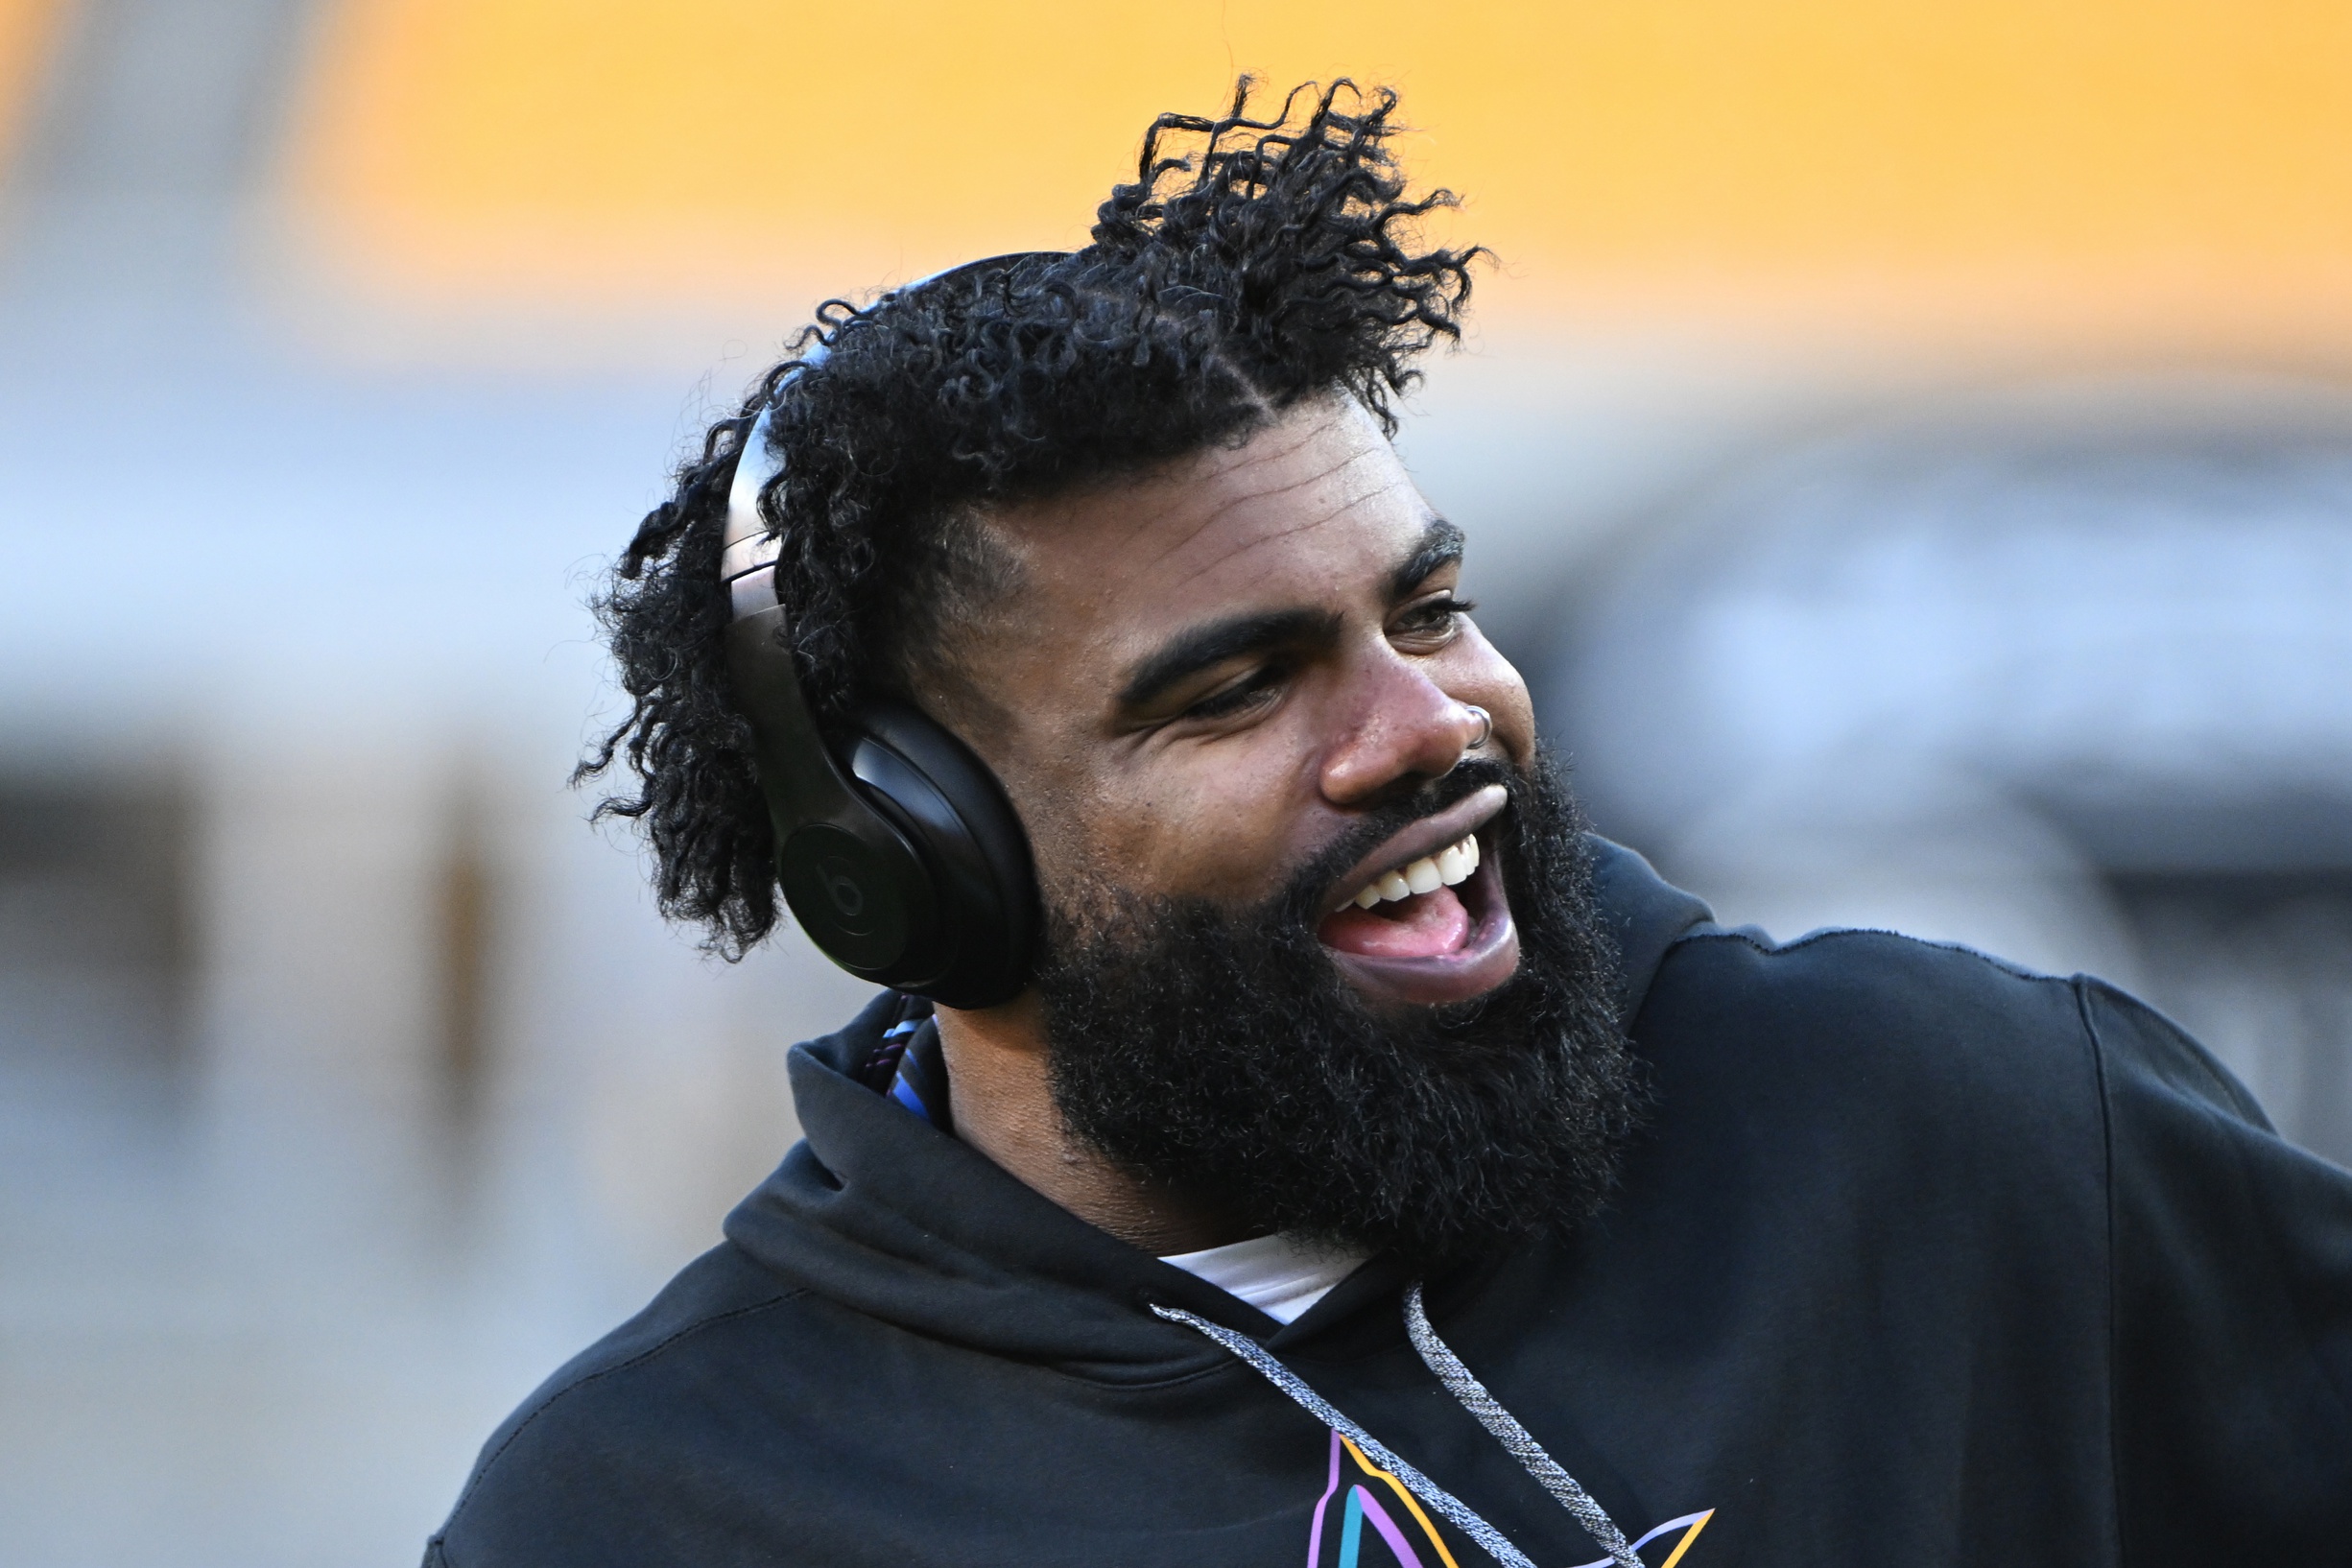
[(896, 848)]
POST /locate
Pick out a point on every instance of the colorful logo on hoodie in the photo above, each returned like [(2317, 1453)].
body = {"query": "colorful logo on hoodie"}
[(1366, 1519)]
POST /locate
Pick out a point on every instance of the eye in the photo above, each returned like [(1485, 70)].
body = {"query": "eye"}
[(1253, 690), (1428, 625)]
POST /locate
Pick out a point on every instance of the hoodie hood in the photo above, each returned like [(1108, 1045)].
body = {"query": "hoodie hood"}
[(880, 1212)]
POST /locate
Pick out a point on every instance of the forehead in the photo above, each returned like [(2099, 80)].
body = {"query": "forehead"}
[(1314, 510)]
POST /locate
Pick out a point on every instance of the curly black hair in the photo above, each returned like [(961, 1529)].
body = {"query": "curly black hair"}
[(1252, 263)]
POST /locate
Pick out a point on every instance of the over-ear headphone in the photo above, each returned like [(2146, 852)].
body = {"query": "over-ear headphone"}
[(896, 848)]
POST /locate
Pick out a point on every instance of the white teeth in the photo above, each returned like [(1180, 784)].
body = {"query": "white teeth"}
[(1455, 863)]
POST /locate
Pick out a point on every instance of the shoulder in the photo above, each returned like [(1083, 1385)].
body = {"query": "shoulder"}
[(1840, 999), (1857, 999), (1876, 1003), (1876, 1102), (615, 1419), (2232, 1308), (1929, 1063), (2142, 1051)]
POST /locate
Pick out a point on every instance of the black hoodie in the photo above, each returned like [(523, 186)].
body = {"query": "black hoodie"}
[(1921, 1259)]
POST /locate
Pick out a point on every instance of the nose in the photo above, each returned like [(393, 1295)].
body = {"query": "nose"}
[(1407, 731)]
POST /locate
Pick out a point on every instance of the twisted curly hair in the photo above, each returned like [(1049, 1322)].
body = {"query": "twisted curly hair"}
[(1251, 263)]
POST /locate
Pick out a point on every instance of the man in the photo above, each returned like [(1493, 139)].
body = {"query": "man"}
[(1366, 1167)]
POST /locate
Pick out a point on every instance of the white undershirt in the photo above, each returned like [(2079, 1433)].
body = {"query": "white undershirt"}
[(1277, 1275)]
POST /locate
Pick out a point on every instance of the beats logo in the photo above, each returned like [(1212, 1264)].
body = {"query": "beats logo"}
[(841, 880)]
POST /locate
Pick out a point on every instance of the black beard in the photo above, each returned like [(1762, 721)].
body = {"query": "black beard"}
[(1221, 1054)]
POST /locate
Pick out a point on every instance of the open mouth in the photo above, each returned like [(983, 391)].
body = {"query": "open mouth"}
[(1412, 911), (1428, 925)]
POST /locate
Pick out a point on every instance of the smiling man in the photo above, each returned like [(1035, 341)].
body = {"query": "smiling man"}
[(1286, 1137)]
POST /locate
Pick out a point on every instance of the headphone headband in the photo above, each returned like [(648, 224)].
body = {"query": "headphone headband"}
[(747, 544)]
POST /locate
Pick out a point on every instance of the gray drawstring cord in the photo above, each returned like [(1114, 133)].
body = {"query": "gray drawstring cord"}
[(1314, 1404), (1474, 1398), (1438, 1357)]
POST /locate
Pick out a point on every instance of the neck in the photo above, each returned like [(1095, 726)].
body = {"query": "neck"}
[(996, 1071)]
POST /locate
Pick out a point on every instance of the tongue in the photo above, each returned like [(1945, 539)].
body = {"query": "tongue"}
[(1425, 926)]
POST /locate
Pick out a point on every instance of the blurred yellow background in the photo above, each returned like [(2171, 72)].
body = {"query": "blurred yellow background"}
[(2170, 171), (28, 29)]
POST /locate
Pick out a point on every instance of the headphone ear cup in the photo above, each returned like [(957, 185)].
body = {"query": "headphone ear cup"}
[(982, 881), (908, 867), (864, 900)]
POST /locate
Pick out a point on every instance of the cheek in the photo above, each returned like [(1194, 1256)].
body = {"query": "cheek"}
[(1485, 678), (1214, 827), (1514, 721)]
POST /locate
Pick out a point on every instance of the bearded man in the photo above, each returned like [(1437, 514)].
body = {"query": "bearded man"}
[(1289, 1136)]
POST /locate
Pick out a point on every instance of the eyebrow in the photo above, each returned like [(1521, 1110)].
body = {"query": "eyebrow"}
[(1440, 547), (1205, 647)]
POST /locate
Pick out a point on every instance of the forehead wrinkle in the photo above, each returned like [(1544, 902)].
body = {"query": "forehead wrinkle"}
[(1261, 542), (1343, 504), (1146, 512), (1136, 520)]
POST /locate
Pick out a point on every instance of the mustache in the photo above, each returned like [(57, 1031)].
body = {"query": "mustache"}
[(1299, 903)]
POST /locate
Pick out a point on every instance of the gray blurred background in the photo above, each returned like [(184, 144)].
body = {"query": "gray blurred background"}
[(347, 1081)]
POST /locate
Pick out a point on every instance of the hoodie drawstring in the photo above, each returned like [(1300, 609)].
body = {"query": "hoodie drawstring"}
[(1438, 1357), (1473, 1396)]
